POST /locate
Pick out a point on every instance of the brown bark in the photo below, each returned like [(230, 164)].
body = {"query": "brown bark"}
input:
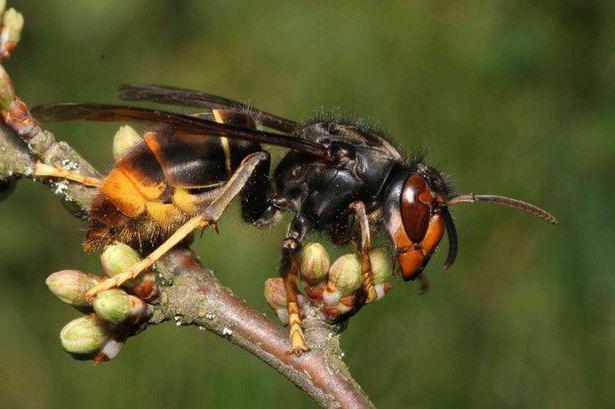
[(196, 297)]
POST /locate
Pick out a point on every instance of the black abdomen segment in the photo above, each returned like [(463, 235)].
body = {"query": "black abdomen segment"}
[(198, 161), (188, 161)]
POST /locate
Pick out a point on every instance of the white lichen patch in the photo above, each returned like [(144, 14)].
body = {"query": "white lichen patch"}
[(227, 332), (69, 165), (60, 188), (210, 316)]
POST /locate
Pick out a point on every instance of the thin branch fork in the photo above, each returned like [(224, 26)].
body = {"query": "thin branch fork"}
[(196, 296)]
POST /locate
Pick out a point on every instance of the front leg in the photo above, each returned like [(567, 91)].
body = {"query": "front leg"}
[(289, 270), (367, 275)]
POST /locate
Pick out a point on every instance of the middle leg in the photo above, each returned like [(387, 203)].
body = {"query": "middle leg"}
[(289, 270)]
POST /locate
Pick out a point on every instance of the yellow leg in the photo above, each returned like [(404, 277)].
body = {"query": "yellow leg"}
[(154, 256), (209, 217), (289, 270), (43, 170), (367, 275), (297, 341)]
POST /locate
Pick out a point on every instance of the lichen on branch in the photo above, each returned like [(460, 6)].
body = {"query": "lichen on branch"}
[(192, 294)]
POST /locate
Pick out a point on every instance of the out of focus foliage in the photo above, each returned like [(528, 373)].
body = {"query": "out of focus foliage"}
[(508, 97)]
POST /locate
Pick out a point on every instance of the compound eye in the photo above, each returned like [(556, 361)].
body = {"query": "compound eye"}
[(416, 199)]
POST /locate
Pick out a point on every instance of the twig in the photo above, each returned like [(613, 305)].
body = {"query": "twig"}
[(196, 296)]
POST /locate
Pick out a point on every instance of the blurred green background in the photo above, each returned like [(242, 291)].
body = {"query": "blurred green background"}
[(508, 97)]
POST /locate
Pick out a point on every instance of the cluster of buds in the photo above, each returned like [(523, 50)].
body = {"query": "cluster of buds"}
[(10, 30), (113, 316), (334, 288)]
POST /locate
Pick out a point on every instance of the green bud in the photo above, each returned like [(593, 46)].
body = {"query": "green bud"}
[(84, 335), (381, 265), (345, 274), (115, 306), (275, 294), (7, 91), (124, 140), (13, 22), (70, 286), (315, 263), (117, 258)]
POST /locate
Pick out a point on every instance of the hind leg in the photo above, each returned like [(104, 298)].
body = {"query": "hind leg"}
[(210, 216), (43, 170)]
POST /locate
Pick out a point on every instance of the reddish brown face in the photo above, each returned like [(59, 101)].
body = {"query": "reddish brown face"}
[(421, 227)]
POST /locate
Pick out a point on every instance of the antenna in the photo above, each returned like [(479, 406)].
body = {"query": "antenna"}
[(503, 201)]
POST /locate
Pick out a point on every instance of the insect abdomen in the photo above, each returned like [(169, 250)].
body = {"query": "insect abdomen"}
[(130, 206), (159, 185)]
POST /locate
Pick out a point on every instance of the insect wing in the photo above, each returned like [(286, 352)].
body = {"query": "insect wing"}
[(179, 123), (184, 97)]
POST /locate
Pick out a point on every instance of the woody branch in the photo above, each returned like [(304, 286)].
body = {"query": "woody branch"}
[(195, 297)]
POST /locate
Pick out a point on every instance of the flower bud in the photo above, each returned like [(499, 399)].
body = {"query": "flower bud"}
[(70, 286), (314, 264), (13, 21), (117, 258), (12, 24), (275, 294), (382, 268), (115, 306), (124, 140), (7, 91), (85, 335), (345, 274)]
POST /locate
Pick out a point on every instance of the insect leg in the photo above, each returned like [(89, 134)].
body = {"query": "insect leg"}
[(289, 270), (43, 170), (367, 275), (136, 269), (210, 216)]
